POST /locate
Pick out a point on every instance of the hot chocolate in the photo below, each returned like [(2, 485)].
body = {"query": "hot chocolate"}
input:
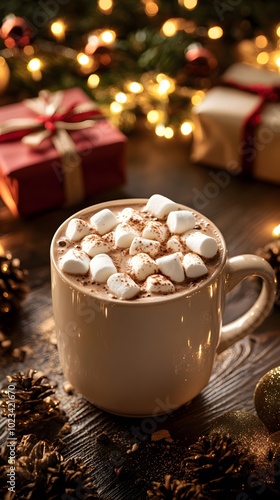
[(138, 293), (153, 249)]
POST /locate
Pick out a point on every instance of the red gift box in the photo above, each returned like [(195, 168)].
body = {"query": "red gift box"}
[(32, 179)]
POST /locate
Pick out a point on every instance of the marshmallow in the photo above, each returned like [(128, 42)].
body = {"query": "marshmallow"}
[(144, 245), (180, 221), (159, 284), (93, 245), (122, 286), (171, 266), (154, 230), (75, 262), (103, 221), (124, 234), (142, 265), (77, 229), (130, 215), (101, 267), (174, 244), (160, 206), (194, 265), (202, 244)]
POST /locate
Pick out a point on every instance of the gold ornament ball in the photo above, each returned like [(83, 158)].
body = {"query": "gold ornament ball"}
[(4, 75), (267, 399)]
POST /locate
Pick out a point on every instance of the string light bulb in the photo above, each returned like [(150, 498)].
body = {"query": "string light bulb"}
[(86, 63), (197, 97), (93, 81), (188, 4), (215, 32), (160, 130), (153, 116), (28, 50), (276, 231), (261, 41), (135, 87), (121, 98), (186, 128), (164, 87), (169, 28), (34, 64), (105, 6), (108, 36), (115, 107), (34, 67), (83, 59), (263, 58), (151, 8), (158, 85), (277, 59), (168, 132), (58, 30)]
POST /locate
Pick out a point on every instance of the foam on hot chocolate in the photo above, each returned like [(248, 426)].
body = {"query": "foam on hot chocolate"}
[(131, 253)]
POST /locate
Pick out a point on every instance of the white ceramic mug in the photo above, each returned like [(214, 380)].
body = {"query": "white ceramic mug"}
[(144, 358)]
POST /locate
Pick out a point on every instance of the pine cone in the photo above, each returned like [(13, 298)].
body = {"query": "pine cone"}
[(216, 462), (173, 489), (13, 286), (271, 253), (33, 404), (43, 473)]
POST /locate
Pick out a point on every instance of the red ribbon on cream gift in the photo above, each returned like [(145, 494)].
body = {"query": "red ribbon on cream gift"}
[(267, 93), (52, 120)]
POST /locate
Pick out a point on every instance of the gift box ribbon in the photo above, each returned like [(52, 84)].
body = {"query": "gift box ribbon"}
[(267, 94), (53, 121)]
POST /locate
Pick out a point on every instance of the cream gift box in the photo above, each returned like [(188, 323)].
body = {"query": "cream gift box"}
[(218, 138)]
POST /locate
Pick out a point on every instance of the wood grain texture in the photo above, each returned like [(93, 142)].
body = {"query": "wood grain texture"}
[(246, 212)]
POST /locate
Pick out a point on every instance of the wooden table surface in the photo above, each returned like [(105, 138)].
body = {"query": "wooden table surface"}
[(246, 212)]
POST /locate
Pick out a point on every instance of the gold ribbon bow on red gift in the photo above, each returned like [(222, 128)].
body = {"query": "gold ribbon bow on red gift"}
[(53, 121)]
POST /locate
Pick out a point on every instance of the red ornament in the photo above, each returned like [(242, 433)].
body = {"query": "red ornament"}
[(103, 52), (201, 62), (16, 32)]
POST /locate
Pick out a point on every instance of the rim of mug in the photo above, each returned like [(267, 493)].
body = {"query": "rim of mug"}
[(144, 300)]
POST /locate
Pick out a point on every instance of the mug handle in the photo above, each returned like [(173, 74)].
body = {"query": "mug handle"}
[(237, 269)]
